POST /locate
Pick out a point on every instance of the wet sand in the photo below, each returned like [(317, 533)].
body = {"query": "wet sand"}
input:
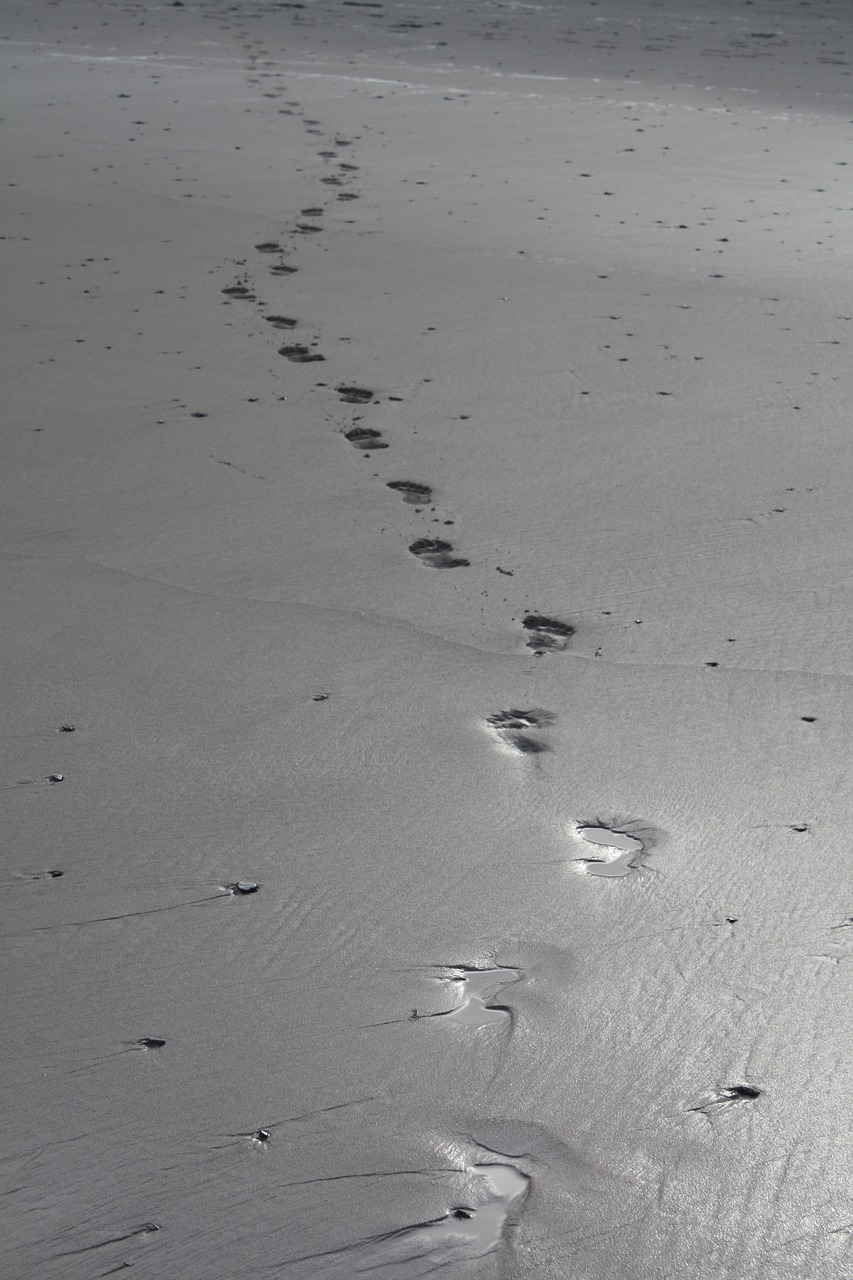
[(426, 754)]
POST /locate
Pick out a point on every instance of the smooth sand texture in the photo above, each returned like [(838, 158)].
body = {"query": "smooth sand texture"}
[(553, 538)]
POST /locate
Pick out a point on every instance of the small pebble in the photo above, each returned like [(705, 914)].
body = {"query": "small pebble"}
[(151, 1042), (68, 728), (56, 777), (245, 886)]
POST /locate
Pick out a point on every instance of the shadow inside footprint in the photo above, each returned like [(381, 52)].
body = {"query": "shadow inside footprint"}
[(511, 729), (283, 269), (546, 633), (269, 246), (239, 291), (355, 395), (628, 858), (300, 355), (411, 491), (437, 554), (365, 438), (281, 322)]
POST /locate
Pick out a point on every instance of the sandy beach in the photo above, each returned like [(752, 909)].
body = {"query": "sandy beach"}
[(426, 558)]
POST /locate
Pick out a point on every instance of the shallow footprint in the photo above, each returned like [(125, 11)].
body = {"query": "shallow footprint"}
[(300, 355), (437, 554), (283, 269), (627, 860), (355, 395), (365, 438), (511, 728), (546, 633), (281, 322), (464, 1232), (468, 1231), (269, 246), (731, 1096), (411, 491)]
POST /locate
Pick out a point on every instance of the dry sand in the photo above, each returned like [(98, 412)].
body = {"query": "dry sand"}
[(592, 267)]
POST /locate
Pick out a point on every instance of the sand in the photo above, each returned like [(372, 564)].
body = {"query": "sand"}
[(345, 668)]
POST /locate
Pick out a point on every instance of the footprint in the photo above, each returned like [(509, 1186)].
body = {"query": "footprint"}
[(283, 269), (311, 213), (304, 228), (511, 729), (546, 633), (48, 873), (465, 1232), (731, 1096), (365, 438), (473, 1231), (478, 988), (281, 322), (411, 491), (437, 554), (355, 395), (269, 246), (627, 860), (239, 291), (300, 355)]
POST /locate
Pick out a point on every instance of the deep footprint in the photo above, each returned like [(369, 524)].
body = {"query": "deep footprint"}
[(239, 291), (355, 395), (478, 988), (437, 554), (365, 438), (281, 322), (411, 491), (512, 729), (546, 633), (300, 355), (628, 859), (269, 246), (282, 269)]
